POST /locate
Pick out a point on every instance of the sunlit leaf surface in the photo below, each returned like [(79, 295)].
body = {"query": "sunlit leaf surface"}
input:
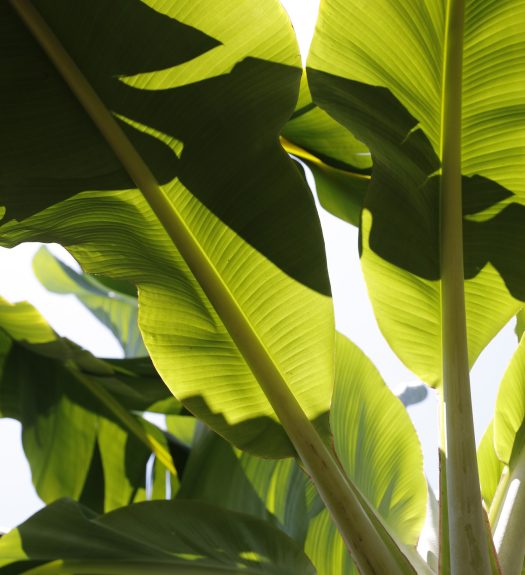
[(201, 89), (377, 67)]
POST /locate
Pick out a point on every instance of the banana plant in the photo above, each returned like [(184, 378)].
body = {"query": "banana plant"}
[(150, 139)]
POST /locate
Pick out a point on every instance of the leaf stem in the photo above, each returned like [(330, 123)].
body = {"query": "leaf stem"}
[(499, 496), (368, 549), (508, 528), (469, 554), (444, 543)]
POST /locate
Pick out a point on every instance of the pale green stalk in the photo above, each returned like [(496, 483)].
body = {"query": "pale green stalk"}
[(367, 548), (444, 542), (508, 527), (499, 496), (469, 554)]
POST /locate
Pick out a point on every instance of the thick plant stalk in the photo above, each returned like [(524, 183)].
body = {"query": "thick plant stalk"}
[(469, 553), (367, 548)]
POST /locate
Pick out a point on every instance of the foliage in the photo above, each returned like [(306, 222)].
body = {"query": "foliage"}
[(150, 140)]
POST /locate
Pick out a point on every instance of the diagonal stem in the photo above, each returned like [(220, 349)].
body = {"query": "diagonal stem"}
[(369, 551), (469, 553)]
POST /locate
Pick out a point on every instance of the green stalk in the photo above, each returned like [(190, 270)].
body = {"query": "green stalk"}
[(444, 542), (508, 527), (469, 553), (499, 496), (367, 548)]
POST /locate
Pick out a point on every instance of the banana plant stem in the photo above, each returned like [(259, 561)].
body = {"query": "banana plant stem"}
[(367, 548), (444, 543), (469, 554), (508, 529)]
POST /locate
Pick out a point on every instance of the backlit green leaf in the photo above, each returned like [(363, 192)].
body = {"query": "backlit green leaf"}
[(201, 91), (377, 68), (509, 414), (117, 311), (379, 449), (377, 443)]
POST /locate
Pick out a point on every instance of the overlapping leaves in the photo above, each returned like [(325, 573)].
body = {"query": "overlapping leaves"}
[(501, 458), (379, 449), (110, 304), (275, 490), (339, 163), (203, 102), (80, 432), (358, 73)]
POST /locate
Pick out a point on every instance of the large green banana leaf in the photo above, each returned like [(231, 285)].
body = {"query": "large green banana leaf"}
[(377, 68), (201, 90), (509, 415), (116, 310), (157, 537), (370, 425), (380, 451), (77, 413)]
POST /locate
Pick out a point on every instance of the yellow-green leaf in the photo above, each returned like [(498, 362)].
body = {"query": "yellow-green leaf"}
[(359, 73)]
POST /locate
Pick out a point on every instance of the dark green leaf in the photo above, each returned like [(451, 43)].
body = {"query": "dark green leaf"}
[(65, 398), (153, 537)]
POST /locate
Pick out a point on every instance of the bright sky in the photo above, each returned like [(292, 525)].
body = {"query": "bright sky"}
[(354, 318)]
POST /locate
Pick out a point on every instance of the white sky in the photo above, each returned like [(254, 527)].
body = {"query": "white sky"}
[(354, 318)]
